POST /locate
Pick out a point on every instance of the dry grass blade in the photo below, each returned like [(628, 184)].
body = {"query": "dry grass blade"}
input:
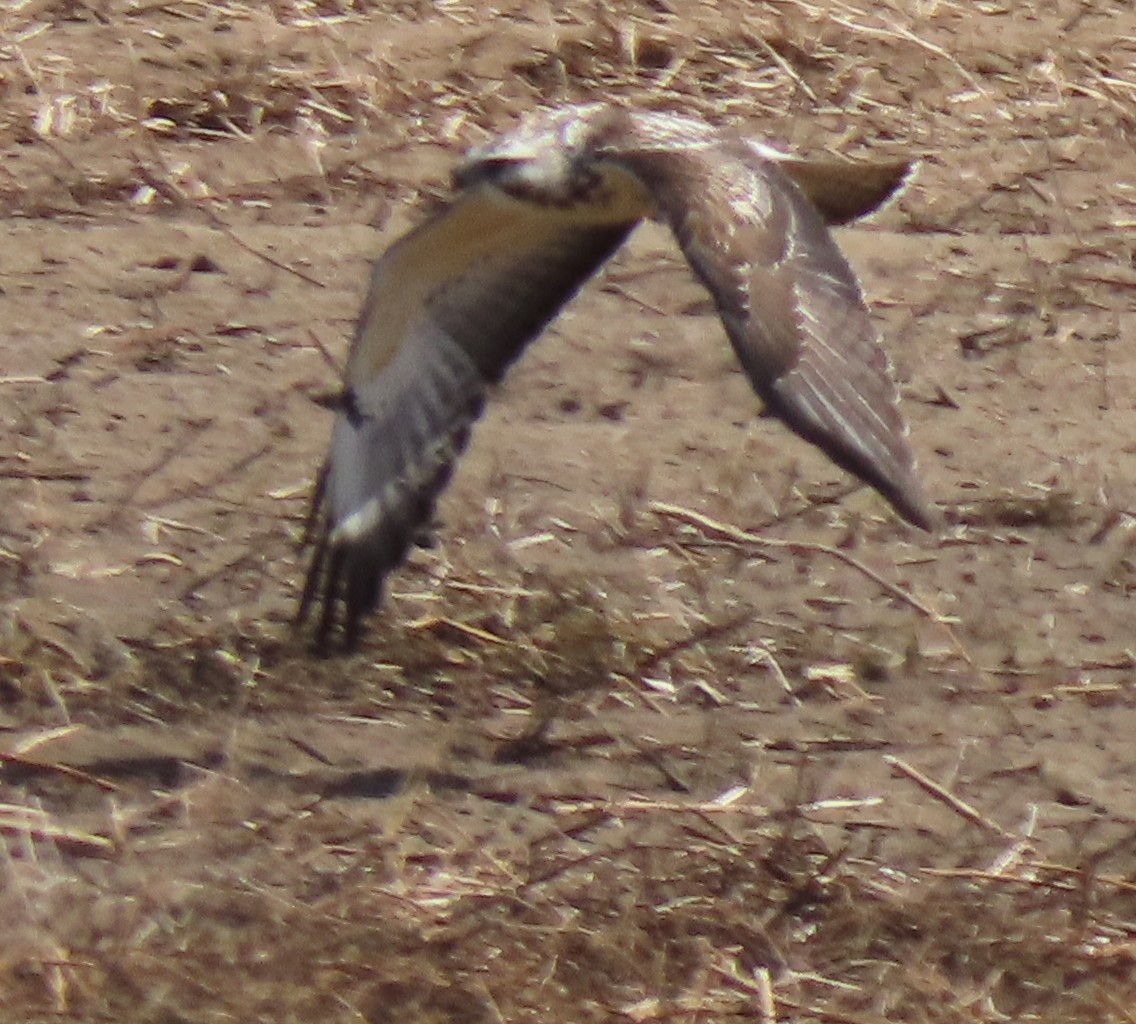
[(944, 796), (65, 770), (38, 826)]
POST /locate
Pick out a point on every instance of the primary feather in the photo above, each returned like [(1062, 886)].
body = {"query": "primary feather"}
[(537, 213)]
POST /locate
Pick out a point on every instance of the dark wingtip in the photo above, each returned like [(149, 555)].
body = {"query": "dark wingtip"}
[(345, 578), (910, 504), (900, 487), (342, 596), (891, 473)]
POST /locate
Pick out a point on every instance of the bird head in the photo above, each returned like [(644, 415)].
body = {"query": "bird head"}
[(550, 157)]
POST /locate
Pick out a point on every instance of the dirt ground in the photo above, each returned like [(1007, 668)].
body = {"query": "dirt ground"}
[(674, 722)]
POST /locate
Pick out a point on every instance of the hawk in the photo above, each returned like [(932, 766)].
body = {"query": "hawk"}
[(535, 214)]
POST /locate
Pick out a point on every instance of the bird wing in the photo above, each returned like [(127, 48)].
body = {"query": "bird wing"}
[(841, 190), (449, 307), (789, 301)]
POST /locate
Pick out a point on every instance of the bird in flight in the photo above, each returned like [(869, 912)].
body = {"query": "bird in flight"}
[(535, 214)]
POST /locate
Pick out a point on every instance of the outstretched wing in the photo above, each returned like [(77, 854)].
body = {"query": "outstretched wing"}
[(841, 191), (449, 307), (788, 299)]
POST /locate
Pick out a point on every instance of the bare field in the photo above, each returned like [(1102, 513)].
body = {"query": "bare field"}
[(673, 723)]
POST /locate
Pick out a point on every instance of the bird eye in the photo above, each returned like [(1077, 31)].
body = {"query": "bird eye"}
[(484, 169), (500, 165)]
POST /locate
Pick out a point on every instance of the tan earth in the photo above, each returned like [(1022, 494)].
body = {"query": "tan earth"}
[(674, 723)]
